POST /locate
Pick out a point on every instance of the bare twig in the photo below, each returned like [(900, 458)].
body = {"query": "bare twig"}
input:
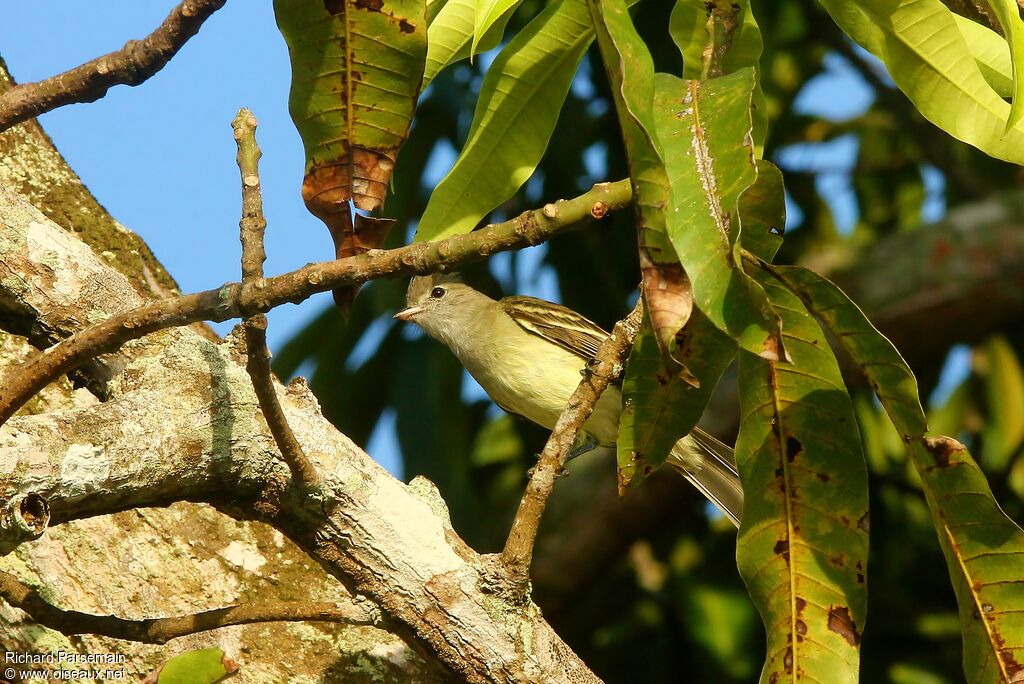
[(162, 630), (606, 367), (251, 229), (235, 300), (131, 65)]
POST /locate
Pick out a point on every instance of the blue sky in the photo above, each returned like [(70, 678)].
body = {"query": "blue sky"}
[(160, 156)]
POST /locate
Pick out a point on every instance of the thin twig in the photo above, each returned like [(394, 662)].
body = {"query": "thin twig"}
[(162, 630), (234, 300), (252, 227), (606, 367), (131, 65)]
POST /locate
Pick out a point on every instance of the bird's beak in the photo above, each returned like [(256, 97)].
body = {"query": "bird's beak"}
[(407, 314)]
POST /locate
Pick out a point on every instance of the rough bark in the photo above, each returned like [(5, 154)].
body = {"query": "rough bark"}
[(182, 423)]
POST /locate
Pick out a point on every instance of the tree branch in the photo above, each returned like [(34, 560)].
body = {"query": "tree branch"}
[(182, 424), (235, 300), (605, 368), (251, 230), (131, 65), (162, 630)]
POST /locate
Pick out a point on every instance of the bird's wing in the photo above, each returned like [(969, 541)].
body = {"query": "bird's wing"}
[(556, 324)]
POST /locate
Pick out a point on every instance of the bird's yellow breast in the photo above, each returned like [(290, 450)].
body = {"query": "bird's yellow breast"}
[(537, 380)]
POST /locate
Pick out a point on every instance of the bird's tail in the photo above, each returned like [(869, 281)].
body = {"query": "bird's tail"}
[(710, 466)]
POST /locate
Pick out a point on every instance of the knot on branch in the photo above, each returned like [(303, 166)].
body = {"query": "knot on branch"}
[(22, 518)]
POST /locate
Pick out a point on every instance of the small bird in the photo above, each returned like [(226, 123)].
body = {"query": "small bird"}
[(527, 354)]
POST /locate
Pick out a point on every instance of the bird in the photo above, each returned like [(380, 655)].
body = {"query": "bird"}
[(527, 354)]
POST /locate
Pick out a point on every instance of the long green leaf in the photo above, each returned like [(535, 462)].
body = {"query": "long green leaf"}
[(450, 35), (803, 543), (984, 549), (926, 54), (519, 103), (1013, 28), (356, 73), (630, 71), (704, 130)]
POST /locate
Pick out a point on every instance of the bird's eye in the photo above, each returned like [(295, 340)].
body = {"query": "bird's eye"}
[(437, 293)]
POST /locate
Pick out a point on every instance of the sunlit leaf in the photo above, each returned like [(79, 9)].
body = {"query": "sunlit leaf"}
[(803, 542), (356, 72), (487, 14), (451, 34), (630, 72), (984, 549), (519, 103), (762, 212), (992, 53), (929, 59)]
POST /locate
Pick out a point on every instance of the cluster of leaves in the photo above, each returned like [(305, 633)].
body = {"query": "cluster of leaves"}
[(709, 211)]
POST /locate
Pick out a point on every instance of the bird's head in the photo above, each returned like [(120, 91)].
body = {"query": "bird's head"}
[(437, 302)]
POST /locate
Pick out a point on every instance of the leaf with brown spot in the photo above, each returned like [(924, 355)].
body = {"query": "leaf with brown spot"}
[(357, 66), (984, 549), (796, 422), (840, 622)]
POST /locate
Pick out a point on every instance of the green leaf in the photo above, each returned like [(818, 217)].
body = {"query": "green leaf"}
[(204, 666), (1004, 390), (803, 543), (520, 99), (356, 72), (1013, 28), (704, 129), (922, 45), (451, 34), (630, 70), (488, 13), (660, 405), (988, 49), (984, 549), (991, 52)]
